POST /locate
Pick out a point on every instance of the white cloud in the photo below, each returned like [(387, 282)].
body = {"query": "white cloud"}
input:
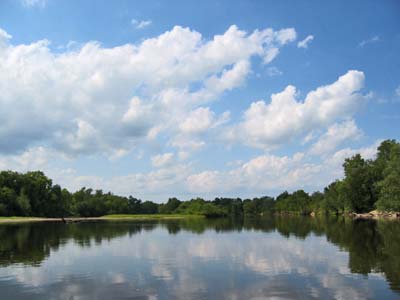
[(285, 36), (201, 120), (162, 160), (187, 143), (262, 174), (309, 137), (304, 43), (335, 136), (271, 174), (94, 99), (156, 185), (4, 36), (36, 158), (339, 156), (371, 40), (270, 125), (140, 24)]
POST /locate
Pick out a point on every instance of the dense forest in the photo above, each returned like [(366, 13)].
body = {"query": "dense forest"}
[(367, 185)]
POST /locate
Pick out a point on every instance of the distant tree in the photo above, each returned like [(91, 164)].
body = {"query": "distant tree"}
[(249, 207), (38, 189), (170, 206), (134, 205), (149, 207), (389, 195), (230, 206), (316, 201), (8, 203), (23, 204), (358, 185), (333, 198)]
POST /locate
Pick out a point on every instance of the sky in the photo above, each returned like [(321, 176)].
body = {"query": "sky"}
[(158, 99)]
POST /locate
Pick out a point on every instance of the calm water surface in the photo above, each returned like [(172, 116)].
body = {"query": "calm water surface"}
[(272, 258)]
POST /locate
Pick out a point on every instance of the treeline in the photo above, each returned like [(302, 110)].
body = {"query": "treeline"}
[(367, 185)]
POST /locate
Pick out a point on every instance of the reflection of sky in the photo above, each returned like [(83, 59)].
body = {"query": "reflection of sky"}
[(156, 265)]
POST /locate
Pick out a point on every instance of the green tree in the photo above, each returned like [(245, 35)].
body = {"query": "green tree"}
[(389, 187), (149, 207), (23, 204), (333, 198), (358, 184), (170, 206), (38, 189), (8, 202)]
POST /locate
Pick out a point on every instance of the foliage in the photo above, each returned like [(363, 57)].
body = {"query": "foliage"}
[(389, 186)]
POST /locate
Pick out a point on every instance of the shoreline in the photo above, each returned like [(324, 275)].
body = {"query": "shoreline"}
[(374, 215), (4, 220)]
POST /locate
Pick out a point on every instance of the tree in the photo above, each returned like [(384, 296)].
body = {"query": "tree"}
[(389, 187), (149, 207), (23, 204), (249, 207), (358, 184), (170, 206), (38, 189), (134, 205), (8, 203)]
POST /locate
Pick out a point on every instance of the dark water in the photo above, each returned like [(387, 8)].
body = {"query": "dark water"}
[(275, 258)]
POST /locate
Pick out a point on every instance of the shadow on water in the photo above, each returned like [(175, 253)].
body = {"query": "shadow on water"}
[(373, 246)]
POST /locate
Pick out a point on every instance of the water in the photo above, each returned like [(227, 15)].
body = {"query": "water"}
[(270, 258)]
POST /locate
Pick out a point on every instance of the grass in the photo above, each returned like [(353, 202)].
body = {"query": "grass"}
[(149, 217), (20, 219), (107, 217)]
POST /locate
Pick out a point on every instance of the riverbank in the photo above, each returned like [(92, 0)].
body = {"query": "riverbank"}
[(103, 218), (375, 214)]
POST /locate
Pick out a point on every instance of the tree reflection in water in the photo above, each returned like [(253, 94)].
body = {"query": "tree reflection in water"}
[(372, 246)]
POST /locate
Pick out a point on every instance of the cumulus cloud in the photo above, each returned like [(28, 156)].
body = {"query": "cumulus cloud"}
[(337, 158), (273, 173), (336, 134), (32, 159), (202, 119), (267, 125), (262, 174), (156, 185), (93, 99), (304, 43)]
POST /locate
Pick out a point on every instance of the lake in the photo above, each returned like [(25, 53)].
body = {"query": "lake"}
[(266, 258)]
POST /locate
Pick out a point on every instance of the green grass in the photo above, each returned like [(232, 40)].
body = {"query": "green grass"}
[(107, 217), (149, 217), (19, 219)]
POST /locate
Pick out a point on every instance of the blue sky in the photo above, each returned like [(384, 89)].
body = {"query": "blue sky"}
[(182, 98)]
